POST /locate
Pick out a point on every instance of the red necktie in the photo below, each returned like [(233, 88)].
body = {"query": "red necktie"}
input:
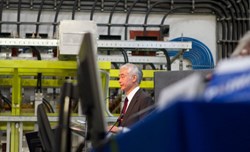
[(123, 112), (125, 106)]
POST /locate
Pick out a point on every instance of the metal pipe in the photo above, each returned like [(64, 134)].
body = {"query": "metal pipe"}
[(129, 25), (231, 32), (18, 17), (127, 18), (170, 11), (125, 5), (236, 20), (242, 12), (226, 34), (236, 30), (93, 10), (236, 15), (38, 16), (39, 75), (79, 5), (230, 25), (124, 53), (56, 16), (31, 4), (1, 13), (111, 15), (248, 14), (28, 23), (167, 58), (102, 5), (246, 5), (74, 10), (181, 7), (152, 66), (148, 12)]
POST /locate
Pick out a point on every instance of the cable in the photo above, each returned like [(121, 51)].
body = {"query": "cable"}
[(39, 75), (80, 147), (127, 18), (74, 10), (5, 100), (117, 121), (38, 17), (152, 66), (166, 53), (111, 15), (115, 65), (125, 55), (93, 10), (46, 106), (200, 56), (1, 13), (56, 16), (49, 106), (18, 17)]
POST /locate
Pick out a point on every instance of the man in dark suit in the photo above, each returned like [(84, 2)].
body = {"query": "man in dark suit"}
[(136, 99)]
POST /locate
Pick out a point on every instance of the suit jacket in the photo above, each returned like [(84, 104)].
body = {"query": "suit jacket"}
[(140, 101)]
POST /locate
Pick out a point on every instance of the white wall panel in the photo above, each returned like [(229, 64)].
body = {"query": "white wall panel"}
[(200, 27)]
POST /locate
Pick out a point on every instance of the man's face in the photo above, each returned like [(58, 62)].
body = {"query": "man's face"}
[(126, 80)]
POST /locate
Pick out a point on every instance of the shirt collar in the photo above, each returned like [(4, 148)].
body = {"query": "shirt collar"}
[(132, 93)]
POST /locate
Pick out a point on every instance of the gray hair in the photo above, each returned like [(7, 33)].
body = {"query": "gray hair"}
[(242, 44), (133, 70)]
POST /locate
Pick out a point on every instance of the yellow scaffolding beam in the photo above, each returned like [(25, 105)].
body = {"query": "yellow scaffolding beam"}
[(13, 74)]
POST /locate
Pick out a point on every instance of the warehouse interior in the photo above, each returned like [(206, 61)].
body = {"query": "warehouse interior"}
[(59, 74)]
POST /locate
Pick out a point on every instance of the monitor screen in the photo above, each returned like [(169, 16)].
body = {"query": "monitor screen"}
[(33, 141), (90, 92)]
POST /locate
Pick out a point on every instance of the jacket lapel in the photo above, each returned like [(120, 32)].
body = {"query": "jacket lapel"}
[(133, 101)]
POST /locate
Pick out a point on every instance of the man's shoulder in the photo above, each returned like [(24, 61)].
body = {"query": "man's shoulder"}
[(144, 95), (142, 92)]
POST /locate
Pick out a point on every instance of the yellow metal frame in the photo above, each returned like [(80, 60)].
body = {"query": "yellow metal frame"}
[(16, 69), (16, 75)]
